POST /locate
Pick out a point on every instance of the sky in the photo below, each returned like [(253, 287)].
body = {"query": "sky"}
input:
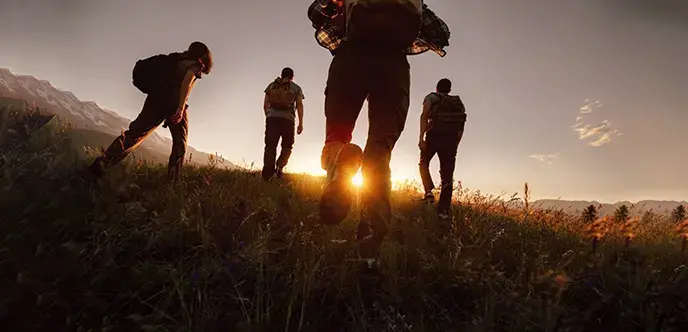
[(584, 100)]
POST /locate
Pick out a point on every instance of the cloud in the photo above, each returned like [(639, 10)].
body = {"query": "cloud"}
[(579, 122), (605, 138), (545, 158), (596, 135), (585, 109), (589, 131), (589, 106), (599, 135)]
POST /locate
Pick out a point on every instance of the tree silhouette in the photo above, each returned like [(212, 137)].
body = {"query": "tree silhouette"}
[(679, 214), (621, 214), (589, 214), (648, 216)]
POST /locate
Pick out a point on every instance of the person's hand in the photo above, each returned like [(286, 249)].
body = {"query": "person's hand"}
[(422, 144), (299, 129), (177, 116)]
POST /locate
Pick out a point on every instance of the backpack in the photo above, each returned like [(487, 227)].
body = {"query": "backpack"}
[(448, 114), (280, 95), (157, 73), (393, 23)]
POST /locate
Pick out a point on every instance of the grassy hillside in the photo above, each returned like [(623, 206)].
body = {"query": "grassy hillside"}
[(224, 251), (90, 142), (85, 139)]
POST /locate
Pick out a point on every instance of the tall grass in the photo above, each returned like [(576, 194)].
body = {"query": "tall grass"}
[(224, 251)]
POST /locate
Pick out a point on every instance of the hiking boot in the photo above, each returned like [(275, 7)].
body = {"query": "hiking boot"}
[(267, 174), (428, 197), (337, 197)]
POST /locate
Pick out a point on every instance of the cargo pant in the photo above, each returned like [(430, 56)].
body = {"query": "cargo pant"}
[(275, 129), (445, 146), (155, 111), (357, 74)]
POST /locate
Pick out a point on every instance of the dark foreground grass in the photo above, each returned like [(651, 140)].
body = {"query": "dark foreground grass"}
[(224, 251)]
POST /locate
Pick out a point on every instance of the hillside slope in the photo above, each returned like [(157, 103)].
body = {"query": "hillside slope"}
[(224, 251), (86, 115)]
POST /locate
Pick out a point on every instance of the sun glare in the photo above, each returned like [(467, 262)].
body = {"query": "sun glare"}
[(357, 180), (399, 179)]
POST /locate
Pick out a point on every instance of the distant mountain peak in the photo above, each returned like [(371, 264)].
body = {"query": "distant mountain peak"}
[(659, 206)]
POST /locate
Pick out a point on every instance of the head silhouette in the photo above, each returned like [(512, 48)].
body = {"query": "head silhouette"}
[(201, 52), (444, 85), (287, 73)]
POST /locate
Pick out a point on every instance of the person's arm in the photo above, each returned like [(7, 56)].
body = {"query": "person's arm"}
[(187, 86), (299, 112), (266, 104), (424, 116), (184, 91), (266, 101)]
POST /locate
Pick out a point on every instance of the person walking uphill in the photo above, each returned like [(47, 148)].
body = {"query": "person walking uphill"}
[(167, 79), (441, 129), (281, 97), (370, 41)]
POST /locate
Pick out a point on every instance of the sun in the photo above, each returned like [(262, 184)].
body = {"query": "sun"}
[(357, 180)]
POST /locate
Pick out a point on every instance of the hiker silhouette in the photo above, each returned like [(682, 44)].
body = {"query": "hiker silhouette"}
[(370, 42), (167, 79)]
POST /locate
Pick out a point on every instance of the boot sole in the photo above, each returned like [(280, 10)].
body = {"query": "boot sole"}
[(335, 201)]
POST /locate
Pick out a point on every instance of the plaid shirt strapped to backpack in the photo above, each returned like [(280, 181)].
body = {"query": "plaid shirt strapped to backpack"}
[(433, 34)]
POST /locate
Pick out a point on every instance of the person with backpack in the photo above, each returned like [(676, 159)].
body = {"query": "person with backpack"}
[(283, 102), (370, 42), (441, 129), (167, 80)]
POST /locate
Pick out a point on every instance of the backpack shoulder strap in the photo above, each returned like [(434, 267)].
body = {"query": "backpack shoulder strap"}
[(277, 83), (457, 99), (440, 99), (440, 96)]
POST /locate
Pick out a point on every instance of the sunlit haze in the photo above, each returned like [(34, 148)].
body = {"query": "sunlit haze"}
[(582, 99), (357, 180)]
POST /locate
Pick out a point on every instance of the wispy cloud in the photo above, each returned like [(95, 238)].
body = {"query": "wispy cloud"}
[(596, 135), (545, 158), (579, 122), (601, 134), (589, 106), (605, 138)]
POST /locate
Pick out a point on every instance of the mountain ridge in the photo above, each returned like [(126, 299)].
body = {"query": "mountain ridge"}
[(637, 208)]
